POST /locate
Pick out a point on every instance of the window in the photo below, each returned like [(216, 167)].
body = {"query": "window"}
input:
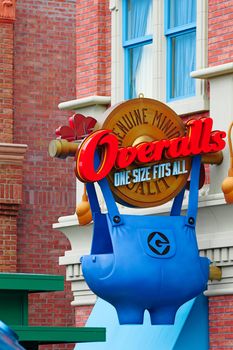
[(137, 39), (155, 46), (180, 30)]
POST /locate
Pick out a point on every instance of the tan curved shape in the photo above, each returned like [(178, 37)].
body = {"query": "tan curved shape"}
[(83, 210)]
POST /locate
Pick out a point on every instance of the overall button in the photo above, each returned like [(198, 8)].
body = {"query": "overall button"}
[(116, 219), (191, 221)]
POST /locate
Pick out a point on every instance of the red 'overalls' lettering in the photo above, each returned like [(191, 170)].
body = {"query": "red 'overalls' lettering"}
[(198, 140)]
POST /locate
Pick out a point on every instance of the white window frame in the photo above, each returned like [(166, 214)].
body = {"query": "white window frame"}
[(194, 104)]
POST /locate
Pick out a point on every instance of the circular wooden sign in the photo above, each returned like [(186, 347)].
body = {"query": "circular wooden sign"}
[(141, 120)]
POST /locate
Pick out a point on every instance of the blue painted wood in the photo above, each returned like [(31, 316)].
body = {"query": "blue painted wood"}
[(126, 52), (169, 78), (180, 29), (190, 331), (143, 40)]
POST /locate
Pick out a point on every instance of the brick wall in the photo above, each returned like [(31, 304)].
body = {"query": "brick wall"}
[(10, 198), (81, 314), (220, 32), (93, 48), (8, 239), (221, 322), (6, 82), (45, 74)]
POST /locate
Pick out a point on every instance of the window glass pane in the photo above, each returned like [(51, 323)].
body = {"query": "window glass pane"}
[(183, 62), (182, 12), (139, 18), (140, 71)]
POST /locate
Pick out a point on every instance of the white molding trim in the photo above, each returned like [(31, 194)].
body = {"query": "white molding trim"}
[(66, 221), (215, 241), (85, 102), (80, 241), (117, 56), (190, 105), (203, 201), (12, 153), (218, 292), (113, 5), (212, 72)]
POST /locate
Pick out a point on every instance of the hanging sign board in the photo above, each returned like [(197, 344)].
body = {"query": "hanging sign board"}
[(145, 151), (138, 262)]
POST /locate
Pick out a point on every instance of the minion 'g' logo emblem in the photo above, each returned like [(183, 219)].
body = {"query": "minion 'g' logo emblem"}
[(158, 243)]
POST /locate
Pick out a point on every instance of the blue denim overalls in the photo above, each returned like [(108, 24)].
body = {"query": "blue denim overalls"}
[(146, 262)]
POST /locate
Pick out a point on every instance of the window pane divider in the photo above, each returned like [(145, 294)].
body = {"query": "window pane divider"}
[(175, 34), (147, 39), (180, 29)]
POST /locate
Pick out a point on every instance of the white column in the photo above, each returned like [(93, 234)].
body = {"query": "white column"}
[(221, 111), (215, 223)]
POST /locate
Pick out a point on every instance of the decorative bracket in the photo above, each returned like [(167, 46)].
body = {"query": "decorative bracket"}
[(69, 137), (7, 11)]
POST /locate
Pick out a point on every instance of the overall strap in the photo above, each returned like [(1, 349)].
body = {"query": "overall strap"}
[(114, 215), (177, 203), (193, 194), (92, 197)]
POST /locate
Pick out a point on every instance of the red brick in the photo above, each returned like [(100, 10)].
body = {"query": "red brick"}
[(220, 32), (81, 315), (221, 322), (6, 82), (93, 48)]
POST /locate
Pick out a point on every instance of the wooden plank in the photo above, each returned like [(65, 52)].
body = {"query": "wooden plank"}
[(56, 335), (31, 282)]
